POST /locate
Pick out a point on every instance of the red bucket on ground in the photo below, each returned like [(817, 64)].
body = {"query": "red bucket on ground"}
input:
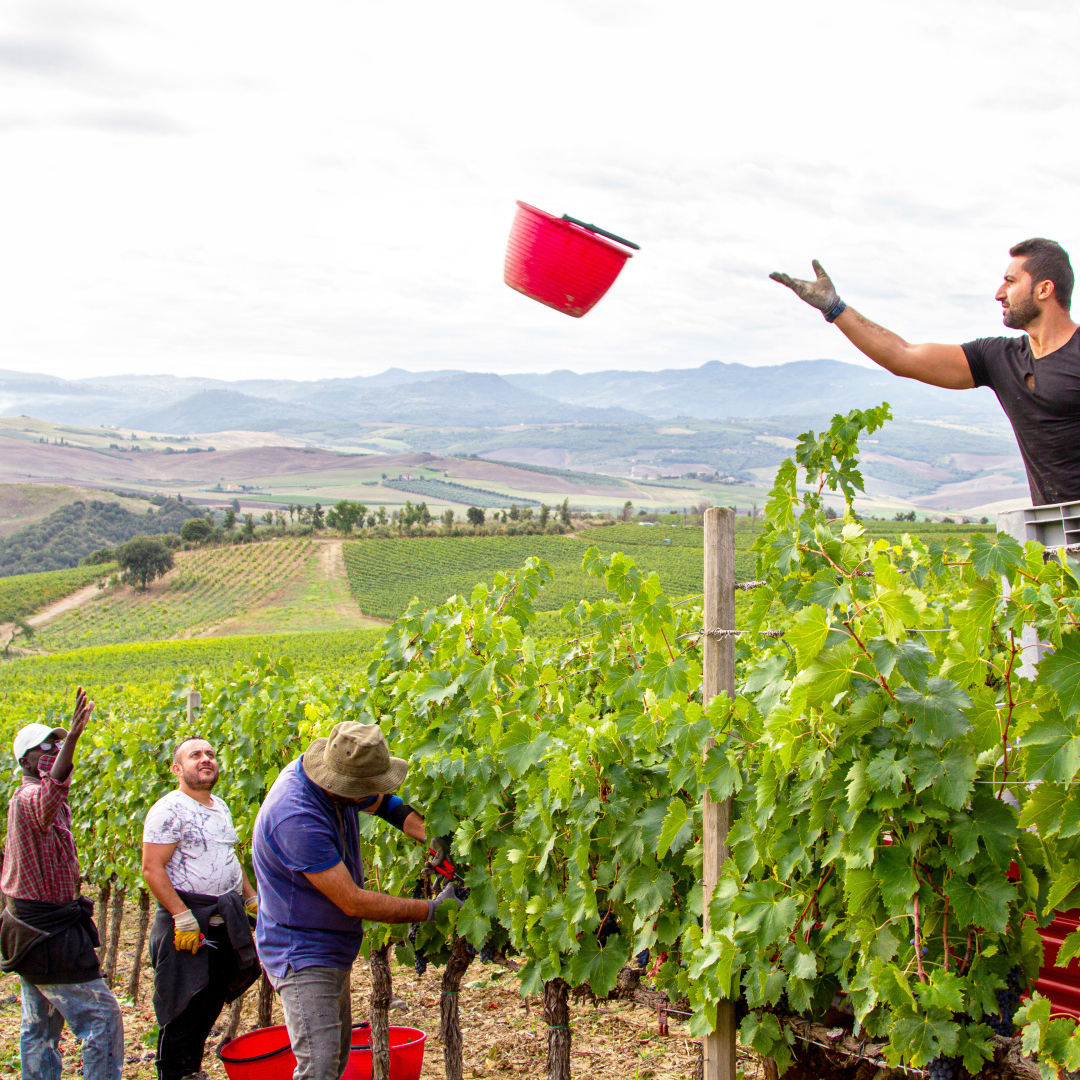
[(266, 1054), (406, 1054), (263, 1054), (561, 262)]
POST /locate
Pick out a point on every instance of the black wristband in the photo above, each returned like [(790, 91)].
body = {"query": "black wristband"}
[(832, 316), (395, 815)]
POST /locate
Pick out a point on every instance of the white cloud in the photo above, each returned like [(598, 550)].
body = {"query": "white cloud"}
[(340, 194)]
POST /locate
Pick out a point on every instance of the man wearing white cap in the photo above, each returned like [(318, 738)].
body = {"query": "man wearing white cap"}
[(306, 853), (47, 933)]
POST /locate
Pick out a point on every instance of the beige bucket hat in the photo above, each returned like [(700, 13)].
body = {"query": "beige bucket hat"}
[(354, 761)]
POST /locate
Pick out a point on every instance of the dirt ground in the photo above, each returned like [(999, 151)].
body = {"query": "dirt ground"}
[(504, 1036)]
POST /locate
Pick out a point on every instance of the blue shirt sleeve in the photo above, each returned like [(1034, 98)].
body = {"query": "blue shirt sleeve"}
[(305, 843)]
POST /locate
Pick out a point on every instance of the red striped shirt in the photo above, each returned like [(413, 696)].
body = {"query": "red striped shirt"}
[(40, 861)]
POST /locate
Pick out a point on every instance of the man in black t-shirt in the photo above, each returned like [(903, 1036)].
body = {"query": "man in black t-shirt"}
[(1036, 377)]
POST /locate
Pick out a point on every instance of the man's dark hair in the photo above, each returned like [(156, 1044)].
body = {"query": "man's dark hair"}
[(1047, 260), (180, 742)]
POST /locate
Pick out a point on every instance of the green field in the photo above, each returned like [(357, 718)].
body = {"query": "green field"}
[(24, 594), (148, 671), (207, 587), (386, 574)]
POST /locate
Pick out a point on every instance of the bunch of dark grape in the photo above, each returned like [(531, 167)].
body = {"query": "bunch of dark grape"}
[(420, 963), (1008, 999), (943, 1068), (462, 892), (487, 953), (642, 959), (608, 925), (470, 949)]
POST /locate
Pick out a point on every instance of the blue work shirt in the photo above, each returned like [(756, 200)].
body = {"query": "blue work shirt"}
[(301, 830)]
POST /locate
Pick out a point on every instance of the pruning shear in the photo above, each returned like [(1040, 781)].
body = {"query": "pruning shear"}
[(439, 861), (204, 940)]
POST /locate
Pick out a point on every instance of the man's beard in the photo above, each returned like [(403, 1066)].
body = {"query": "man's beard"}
[(199, 783), (1017, 316)]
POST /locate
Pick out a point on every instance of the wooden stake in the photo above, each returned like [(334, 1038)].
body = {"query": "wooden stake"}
[(718, 677), (194, 702)]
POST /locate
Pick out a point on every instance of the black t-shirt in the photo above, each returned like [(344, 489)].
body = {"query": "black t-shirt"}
[(1041, 398)]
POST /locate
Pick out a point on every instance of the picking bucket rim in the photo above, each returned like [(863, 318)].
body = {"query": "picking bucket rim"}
[(577, 230), (257, 1057)]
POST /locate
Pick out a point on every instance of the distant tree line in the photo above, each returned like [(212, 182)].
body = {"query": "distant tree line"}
[(72, 532)]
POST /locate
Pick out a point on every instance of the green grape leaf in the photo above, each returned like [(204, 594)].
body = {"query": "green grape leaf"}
[(921, 1038), (897, 612), (936, 713), (647, 890), (1061, 672), (599, 967), (982, 902), (807, 634), (665, 676), (674, 821), (1052, 751), (995, 555), (950, 774), (896, 878)]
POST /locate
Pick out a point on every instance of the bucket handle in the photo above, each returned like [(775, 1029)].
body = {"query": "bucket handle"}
[(602, 232)]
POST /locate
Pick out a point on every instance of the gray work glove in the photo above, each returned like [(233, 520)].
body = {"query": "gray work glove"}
[(447, 896), (819, 293)]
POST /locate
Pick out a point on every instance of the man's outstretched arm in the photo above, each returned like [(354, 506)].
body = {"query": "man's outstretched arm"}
[(938, 365)]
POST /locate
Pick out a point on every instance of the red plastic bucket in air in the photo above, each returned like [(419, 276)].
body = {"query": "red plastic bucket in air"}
[(562, 262), (266, 1054)]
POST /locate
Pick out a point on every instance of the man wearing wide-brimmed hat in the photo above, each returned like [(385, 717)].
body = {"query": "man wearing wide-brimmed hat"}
[(306, 853)]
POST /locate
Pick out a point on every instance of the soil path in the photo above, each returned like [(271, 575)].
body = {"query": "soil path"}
[(66, 603), (332, 563)]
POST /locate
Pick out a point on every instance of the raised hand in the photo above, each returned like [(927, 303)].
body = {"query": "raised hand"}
[(81, 716), (818, 293)]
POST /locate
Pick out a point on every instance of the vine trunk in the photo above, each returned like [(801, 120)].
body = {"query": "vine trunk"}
[(557, 1015), (116, 923), (380, 1013), (266, 1000), (101, 912), (450, 1026), (140, 944)]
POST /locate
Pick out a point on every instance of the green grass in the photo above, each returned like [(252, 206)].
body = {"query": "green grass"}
[(24, 594)]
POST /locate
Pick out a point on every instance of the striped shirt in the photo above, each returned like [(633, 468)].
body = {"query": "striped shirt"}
[(40, 862)]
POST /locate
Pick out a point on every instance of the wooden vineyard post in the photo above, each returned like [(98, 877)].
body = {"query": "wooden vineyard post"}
[(194, 702), (718, 677)]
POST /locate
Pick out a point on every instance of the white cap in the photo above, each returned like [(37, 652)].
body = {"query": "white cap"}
[(30, 736)]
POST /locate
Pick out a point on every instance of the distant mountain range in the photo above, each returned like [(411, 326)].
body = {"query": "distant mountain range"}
[(173, 404)]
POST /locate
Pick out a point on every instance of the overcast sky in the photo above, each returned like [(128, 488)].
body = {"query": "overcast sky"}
[(297, 190)]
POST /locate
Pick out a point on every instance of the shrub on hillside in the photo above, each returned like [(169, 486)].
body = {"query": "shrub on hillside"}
[(195, 531), (144, 558)]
